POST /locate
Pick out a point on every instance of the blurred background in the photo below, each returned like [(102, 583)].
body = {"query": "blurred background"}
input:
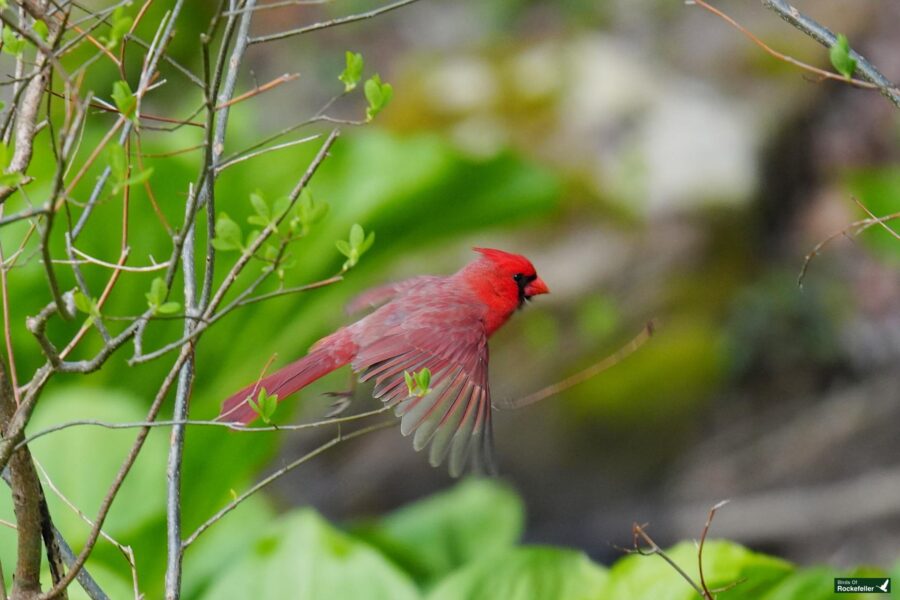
[(653, 164)]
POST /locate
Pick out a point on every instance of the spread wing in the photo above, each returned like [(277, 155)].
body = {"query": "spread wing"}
[(455, 416), (379, 295)]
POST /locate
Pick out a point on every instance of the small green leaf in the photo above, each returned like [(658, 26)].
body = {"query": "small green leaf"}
[(121, 25), (357, 235), (260, 206), (88, 306), (352, 71), (423, 378), (840, 57), (370, 239), (157, 293), (378, 95), (344, 248), (126, 101), (228, 234), (82, 302), (12, 43), (168, 308), (356, 247), (41, 29), (417, 383), (308, 211), (264, 405)]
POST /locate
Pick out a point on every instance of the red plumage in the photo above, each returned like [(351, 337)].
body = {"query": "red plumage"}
[(442, 323)]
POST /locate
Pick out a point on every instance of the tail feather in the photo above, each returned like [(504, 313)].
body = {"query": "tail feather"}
[(297, 375)]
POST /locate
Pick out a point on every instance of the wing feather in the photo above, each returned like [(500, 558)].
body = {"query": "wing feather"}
[(454, 417)]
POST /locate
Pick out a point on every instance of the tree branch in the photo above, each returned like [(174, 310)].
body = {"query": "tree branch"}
[(825, 37)]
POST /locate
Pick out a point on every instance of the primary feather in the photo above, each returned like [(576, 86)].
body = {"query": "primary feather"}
[(439, 323)]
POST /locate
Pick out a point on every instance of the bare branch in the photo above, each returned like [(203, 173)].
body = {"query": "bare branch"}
[(825, 37)]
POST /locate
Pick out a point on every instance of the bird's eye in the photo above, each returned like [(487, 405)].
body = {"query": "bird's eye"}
[(519, 277)]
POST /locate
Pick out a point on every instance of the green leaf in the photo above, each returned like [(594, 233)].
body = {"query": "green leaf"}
[(423, 378), (410, 383), (12, 43), (840, 57), (473, 521), (308, 211), (344, 248), (228, 234), (41, 29), (724, 563), (168, 308), (121, 25), (378, 95), (530, 573), (260, 206), (264, 405), (352, 72), (126, 101), (302, 557), (83, 460), (357, 235), (83, 303), (370, 239), (157, 294)]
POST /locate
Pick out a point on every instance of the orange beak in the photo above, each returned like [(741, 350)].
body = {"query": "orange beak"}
[(536, 287)]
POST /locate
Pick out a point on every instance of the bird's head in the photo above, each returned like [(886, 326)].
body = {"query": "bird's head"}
[(505, 280)]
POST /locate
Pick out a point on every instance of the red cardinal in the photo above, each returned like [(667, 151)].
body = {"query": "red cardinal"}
[(442, 323)]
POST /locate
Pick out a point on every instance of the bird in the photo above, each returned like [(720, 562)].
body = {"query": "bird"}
[(441, 323)]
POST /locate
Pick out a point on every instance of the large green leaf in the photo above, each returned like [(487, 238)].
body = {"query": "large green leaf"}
[(725, 564), (530, 573), (302, 557), (82, 461), (432, 537)]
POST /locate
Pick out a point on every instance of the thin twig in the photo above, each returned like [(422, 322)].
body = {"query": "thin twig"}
[(858, 227), (330, 23), (281, 472), (202, 423), (639, 534), (709, 520), (259, 90), (780, 56), (585, 374)]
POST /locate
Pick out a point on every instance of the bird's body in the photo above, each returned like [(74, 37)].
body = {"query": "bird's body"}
[(439, 323)]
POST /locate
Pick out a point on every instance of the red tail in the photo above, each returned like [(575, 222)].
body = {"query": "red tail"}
[(297, 375)]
